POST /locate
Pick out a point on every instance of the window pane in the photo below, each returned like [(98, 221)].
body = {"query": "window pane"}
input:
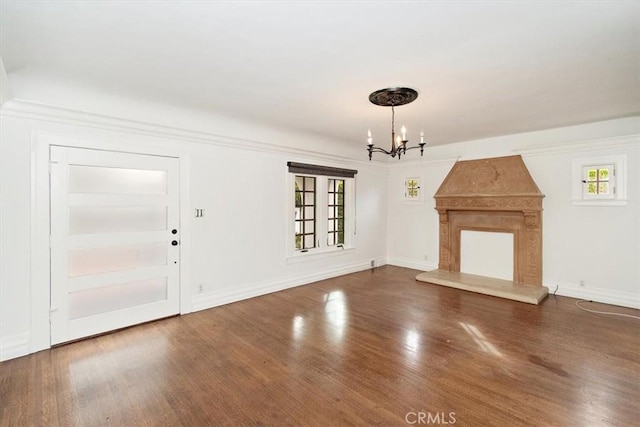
[(309, 213), (603, 188), (331, 225), (116, 258), (603, 174), (110, 298), (592, 188), (309, 227), (309, 241), (106, 180), (592, 174), (299, 183), (310, 184), (100, 219), (309, 199), (331, 239)]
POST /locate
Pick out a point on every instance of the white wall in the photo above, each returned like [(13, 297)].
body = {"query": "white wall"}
[(597, 245), (5, 87), (236, 251)]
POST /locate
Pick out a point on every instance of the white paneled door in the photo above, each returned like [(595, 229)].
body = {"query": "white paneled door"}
[(115, 240)]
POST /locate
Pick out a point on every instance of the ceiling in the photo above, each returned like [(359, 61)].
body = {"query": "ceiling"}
[(483, 68)]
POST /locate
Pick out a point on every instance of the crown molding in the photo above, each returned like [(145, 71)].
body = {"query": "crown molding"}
[(424, 162), (596, 144), (34, 111)]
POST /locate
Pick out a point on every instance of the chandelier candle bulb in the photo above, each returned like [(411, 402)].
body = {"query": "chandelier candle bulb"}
[(404, 133), (421, 137), (369, 138)]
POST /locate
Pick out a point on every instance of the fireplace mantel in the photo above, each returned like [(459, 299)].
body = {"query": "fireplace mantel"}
[(499, 195)]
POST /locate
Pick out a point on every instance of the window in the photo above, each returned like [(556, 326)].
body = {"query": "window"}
[(336, 212), (305, 212), (599, 181), (323, 209), (412, 189)]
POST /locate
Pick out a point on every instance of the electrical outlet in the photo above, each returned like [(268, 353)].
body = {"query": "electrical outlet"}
[(582, 283), (200, 288), (426, 257), (373, 263)]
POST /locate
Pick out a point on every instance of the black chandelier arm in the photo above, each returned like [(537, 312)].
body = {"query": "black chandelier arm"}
[(400, 150), (373, 149), (420, 146)]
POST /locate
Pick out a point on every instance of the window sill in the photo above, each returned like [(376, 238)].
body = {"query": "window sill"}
[(318, 254), (616, 202)]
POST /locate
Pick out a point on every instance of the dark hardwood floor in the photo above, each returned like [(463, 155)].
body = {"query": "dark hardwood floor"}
[(370, 348)]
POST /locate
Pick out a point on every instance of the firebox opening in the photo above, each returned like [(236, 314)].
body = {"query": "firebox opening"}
[(487, 254)]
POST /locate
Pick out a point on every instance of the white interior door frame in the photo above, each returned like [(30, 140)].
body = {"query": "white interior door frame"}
[(40, 333)]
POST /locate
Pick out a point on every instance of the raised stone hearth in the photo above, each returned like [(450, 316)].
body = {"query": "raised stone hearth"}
[(485, 285), (494, 195)]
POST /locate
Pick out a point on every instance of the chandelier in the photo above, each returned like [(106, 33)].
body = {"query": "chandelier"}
[(393, 97)]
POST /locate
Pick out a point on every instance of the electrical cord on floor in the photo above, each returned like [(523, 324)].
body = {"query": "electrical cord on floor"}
[(554, 292), (603, 312)]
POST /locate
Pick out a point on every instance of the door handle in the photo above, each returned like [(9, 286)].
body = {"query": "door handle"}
[(174, 243), (174, 231)]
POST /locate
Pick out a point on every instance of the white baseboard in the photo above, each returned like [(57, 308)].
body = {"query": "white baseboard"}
[(412, 263), (14, 346), (215, 299), (606, 296)]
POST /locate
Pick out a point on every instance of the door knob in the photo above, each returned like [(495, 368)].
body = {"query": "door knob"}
[(174, 243), (174, 231)]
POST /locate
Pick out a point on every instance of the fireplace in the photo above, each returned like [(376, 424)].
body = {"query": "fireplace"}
[(494, 195)]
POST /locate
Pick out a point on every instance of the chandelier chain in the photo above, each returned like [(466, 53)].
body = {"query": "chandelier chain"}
[(393, 121)]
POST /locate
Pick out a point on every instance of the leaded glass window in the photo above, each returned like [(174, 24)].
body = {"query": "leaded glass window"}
[(305, 211), (598, 181), (412, 189), (335, 216)]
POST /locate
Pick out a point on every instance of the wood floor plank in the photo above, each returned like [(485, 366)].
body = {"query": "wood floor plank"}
[(370, 348)]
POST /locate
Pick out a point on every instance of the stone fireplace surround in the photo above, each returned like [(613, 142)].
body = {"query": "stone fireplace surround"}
[(495, 195)]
